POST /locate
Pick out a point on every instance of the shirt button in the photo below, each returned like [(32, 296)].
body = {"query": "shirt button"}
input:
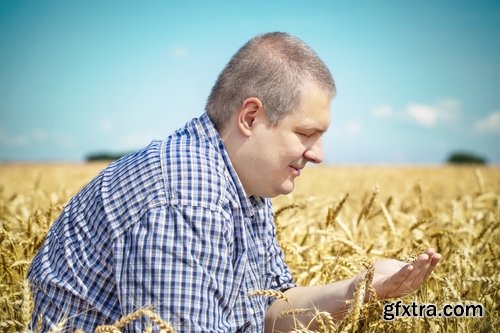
[(251, 312)]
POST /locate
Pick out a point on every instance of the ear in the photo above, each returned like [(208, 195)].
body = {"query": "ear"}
[(251, 108)]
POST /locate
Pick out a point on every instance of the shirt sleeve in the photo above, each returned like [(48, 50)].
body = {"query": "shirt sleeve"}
[(278, 274), (175, 261)]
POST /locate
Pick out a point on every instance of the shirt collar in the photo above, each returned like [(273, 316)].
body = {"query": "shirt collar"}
[(248, 204)]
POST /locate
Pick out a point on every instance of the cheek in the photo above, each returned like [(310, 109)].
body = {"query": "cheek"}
[(295, 148), (289, 156), (281, 150)]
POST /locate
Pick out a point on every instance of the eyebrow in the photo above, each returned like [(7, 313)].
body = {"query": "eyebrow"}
[(320, 130)]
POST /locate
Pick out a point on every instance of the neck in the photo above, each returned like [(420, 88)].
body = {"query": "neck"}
[(234, 144)]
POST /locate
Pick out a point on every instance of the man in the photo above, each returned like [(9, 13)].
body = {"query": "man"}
[(186, 224)]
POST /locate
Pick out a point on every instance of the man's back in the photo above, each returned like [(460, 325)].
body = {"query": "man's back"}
[(169, 227)]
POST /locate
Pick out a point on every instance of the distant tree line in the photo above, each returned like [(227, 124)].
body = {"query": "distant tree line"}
[(104, 156), (462, 157)]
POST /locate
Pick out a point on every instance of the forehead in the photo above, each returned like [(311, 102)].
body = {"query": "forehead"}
[(313, 111)]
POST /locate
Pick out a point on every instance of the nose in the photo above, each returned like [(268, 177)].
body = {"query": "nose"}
[(314, 153)]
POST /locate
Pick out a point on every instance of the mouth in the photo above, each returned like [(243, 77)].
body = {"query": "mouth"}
[(295, 170)]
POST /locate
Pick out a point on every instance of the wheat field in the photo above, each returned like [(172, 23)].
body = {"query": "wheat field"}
[(337, 222)]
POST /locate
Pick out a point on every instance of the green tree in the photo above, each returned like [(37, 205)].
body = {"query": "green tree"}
[(104, 156), (462, 157)]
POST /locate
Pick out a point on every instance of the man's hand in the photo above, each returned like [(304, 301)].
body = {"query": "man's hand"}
[(394, 278)]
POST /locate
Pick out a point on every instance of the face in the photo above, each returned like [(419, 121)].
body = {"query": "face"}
[(282, 151)]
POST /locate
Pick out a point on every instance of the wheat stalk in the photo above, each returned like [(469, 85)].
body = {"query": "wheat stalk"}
[(334, 212), (122, 322), (269, 293)]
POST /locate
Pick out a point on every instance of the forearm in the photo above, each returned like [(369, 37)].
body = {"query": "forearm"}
[(331, 298), (392, 278)]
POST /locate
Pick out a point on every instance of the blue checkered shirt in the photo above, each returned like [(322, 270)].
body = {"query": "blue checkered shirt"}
[(168, 227)]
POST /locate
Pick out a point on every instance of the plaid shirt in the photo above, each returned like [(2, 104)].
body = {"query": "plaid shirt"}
[(168, 227)]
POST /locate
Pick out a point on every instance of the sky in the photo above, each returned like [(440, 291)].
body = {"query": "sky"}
[(416, 80)]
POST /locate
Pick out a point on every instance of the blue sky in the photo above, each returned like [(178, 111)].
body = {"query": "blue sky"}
[(415, 79)]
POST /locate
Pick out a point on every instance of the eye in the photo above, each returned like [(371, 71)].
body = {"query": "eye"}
[(304, 134)]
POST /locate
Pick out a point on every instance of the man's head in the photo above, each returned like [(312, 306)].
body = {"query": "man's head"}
[(272, 67), (271, 106)]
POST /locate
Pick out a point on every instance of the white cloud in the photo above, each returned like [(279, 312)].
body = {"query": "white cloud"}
[(63, 140), (36, 136), (9, 140), (179, 52), (382, 111), (489, 124), (423, 114), (353, 127), (105, 126), (444, 110), (40, 135)]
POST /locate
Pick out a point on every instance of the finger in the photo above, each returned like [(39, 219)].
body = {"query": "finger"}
[(434, 261), (434, 258), (430, 251), (401, 278), (421, 263), (425, 267), (420, 267)]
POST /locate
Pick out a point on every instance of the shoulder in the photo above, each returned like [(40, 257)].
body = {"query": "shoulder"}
[(126, 176), (196, 172), (134, 172), (133, 185), (118, 195)]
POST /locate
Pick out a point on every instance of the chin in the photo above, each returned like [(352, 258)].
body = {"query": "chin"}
[(283, 188), (277, 191), (287, 187)]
